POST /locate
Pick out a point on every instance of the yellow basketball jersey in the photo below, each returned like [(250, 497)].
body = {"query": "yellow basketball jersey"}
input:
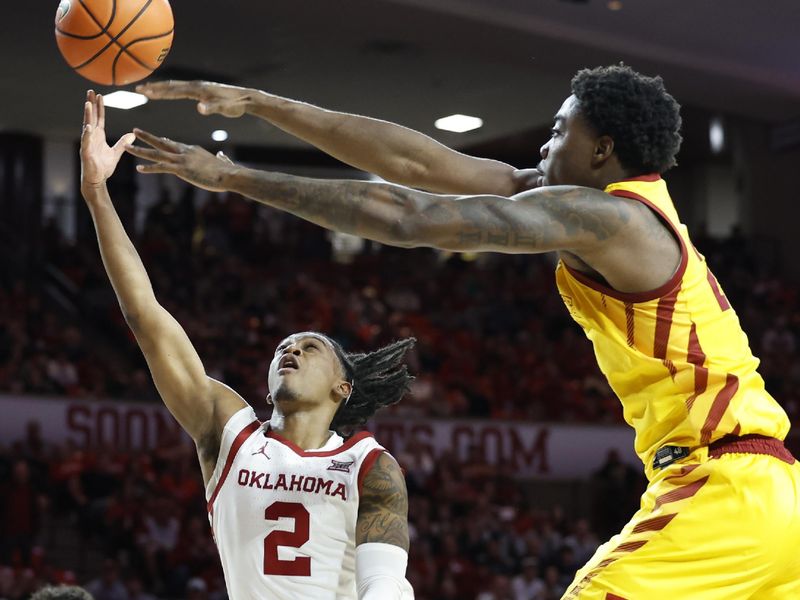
[(677, 356)]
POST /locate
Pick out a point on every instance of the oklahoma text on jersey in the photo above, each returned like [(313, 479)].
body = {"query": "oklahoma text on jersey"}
[(284, 519)]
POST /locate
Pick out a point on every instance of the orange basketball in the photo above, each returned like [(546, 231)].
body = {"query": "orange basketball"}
[(114, 42)]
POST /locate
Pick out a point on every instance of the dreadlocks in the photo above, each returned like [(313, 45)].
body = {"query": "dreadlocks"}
[(636, 111), (379, 379)]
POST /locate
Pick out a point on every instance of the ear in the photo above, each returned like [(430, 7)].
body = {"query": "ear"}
[(269, 399), (603, 150), (343, 389)]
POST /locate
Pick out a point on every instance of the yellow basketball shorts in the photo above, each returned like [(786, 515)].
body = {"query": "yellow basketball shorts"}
[(709, 528)]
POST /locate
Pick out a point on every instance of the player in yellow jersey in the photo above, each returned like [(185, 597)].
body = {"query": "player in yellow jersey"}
[(720, 519)]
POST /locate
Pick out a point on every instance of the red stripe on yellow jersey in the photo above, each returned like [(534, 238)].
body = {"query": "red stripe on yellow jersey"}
[(676, 357)]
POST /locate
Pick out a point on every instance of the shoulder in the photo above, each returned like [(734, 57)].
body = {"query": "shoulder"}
[(384, 477), (383, 505)]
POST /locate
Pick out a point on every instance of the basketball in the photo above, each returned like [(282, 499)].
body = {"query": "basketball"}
[(114, 42)]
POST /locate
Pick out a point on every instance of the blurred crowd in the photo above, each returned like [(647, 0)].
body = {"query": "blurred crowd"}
[(135, 528), (494, 339)]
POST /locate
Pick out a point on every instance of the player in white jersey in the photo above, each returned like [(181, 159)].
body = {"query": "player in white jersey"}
[(296, 511)]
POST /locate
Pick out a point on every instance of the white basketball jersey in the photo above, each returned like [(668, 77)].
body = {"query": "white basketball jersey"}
[(284, 519)]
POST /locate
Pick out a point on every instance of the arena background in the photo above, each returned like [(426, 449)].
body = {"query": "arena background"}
[(517, 460)]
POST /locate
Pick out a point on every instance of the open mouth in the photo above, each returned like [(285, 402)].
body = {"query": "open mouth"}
[(288, 363)]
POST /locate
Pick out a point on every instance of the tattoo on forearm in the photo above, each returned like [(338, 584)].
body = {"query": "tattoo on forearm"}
[(383, 506), (554, 218), (561, 215)]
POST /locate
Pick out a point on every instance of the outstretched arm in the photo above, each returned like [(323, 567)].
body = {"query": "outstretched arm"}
[(603, 231), (200, 404), (393, 152), (382, 533), (540, 220)]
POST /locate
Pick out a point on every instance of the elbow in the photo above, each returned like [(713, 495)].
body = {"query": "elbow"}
[(410, 172), (132, 318)]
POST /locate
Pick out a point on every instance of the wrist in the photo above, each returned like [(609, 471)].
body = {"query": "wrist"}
[(261, 103), (91, 190), (230, 177)]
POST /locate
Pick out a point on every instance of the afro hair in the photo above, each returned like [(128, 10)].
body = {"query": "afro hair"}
[(635, 111)]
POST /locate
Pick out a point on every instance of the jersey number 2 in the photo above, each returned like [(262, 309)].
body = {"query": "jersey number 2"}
[(300, 566)]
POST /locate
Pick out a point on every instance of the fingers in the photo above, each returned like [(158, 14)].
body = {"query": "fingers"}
[(151, 154), (154, 168), (206, 108), (161, 143), (122, 144), (87, 118), (101, 111), (172, 90)]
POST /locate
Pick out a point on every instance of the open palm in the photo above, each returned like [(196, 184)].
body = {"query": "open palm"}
[(98, 159)]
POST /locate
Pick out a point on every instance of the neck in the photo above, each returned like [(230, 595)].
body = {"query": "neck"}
[(306, 429), (612, 172)]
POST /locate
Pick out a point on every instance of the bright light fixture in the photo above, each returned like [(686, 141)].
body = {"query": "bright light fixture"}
[(716, 135), (124, 100), (458, 123), (219, 135)]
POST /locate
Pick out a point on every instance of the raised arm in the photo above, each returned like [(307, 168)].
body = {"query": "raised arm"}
[(200, 404), (391, 151), (603, 231), (382, 533)]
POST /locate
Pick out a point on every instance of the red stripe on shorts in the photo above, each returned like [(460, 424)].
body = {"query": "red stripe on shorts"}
[(654, 524), (630, 546), (681, 493)]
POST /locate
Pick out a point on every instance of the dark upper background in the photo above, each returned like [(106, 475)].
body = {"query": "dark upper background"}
[(412, 61)]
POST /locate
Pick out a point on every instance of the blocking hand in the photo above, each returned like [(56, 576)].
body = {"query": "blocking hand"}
[(191, 163), (212, 98)]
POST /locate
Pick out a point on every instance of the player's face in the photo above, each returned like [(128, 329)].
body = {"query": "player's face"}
[(305, 367), (567, 156)]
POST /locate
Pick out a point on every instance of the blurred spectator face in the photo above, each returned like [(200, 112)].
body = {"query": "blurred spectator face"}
[(304, 366), (530, 568), (135, 586), (551, 575), (110, 572), (21, 472), (196, 589)]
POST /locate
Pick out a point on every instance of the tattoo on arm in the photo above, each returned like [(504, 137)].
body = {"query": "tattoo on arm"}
[(547, 219), (383, 506), (540, 220)]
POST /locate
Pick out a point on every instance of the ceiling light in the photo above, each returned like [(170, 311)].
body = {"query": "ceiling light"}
[(614, 5), (716, 135), (220, 135), (458, 123), (124, 100)]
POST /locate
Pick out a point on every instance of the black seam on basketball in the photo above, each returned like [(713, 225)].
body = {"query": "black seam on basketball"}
[(79, 37), (103, 28), (133, 56), (114, 40)]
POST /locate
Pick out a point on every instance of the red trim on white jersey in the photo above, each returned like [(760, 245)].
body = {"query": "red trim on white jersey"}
[(300, 452), (237, 443), (366, 465)]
